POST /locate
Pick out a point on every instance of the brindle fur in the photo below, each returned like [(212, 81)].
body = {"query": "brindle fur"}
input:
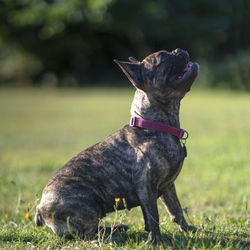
[(137, 164)]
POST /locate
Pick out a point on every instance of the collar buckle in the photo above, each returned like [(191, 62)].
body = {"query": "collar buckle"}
[(183, 134), (184, 137)]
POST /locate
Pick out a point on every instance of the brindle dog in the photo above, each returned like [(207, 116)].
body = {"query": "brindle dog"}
[(137, 164)]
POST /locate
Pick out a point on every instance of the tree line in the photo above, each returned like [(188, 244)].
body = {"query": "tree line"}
[(74, 42)]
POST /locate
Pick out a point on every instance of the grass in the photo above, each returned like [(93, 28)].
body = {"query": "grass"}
[(42, 129)]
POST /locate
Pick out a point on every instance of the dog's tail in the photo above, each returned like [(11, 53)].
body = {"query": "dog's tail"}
[(38, 218)]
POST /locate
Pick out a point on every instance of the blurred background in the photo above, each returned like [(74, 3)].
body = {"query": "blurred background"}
[(61, 92), (60, 43)]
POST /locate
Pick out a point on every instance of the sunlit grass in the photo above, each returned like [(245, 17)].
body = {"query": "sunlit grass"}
[(42, 129)]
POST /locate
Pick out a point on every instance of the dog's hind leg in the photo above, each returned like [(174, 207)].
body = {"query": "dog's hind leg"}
[(174, 209), (70, 216), (73, 226)]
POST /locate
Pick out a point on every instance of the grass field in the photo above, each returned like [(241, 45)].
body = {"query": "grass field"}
[(42, 129)]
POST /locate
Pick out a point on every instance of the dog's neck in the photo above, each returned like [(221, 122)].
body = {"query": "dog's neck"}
[(149, 109)]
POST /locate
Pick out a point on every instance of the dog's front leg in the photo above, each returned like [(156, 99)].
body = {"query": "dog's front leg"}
[(147, 226), (148, 202), (174, 209)]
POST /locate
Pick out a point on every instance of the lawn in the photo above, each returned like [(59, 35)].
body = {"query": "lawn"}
[(42, 129)]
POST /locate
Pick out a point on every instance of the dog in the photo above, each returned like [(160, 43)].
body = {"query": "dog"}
[(136, 164)]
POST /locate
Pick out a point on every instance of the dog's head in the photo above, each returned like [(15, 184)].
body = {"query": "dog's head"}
[(163, 74)]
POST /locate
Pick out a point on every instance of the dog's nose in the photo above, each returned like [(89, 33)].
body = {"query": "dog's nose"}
[(181, 52), (177, 51)]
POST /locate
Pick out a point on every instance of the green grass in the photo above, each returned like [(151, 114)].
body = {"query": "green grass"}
[(42, 129)]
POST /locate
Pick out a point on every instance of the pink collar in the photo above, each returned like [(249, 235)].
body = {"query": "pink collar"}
[(141, 123)]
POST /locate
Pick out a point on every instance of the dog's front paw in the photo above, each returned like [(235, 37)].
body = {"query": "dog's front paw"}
[(158, 239), (192, 229), (187, 228)]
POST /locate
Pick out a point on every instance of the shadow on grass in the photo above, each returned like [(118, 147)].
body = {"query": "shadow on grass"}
[(201, 239), (207, 240)]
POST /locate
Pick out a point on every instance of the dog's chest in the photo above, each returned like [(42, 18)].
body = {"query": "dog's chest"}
[(162, 157), (165, 152)]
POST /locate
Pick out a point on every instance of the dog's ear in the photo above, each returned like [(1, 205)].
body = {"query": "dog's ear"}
[(133, 60), (132, 71)]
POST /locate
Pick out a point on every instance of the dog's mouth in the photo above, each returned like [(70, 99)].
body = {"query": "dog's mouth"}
[(187, 70), (191, 70)]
